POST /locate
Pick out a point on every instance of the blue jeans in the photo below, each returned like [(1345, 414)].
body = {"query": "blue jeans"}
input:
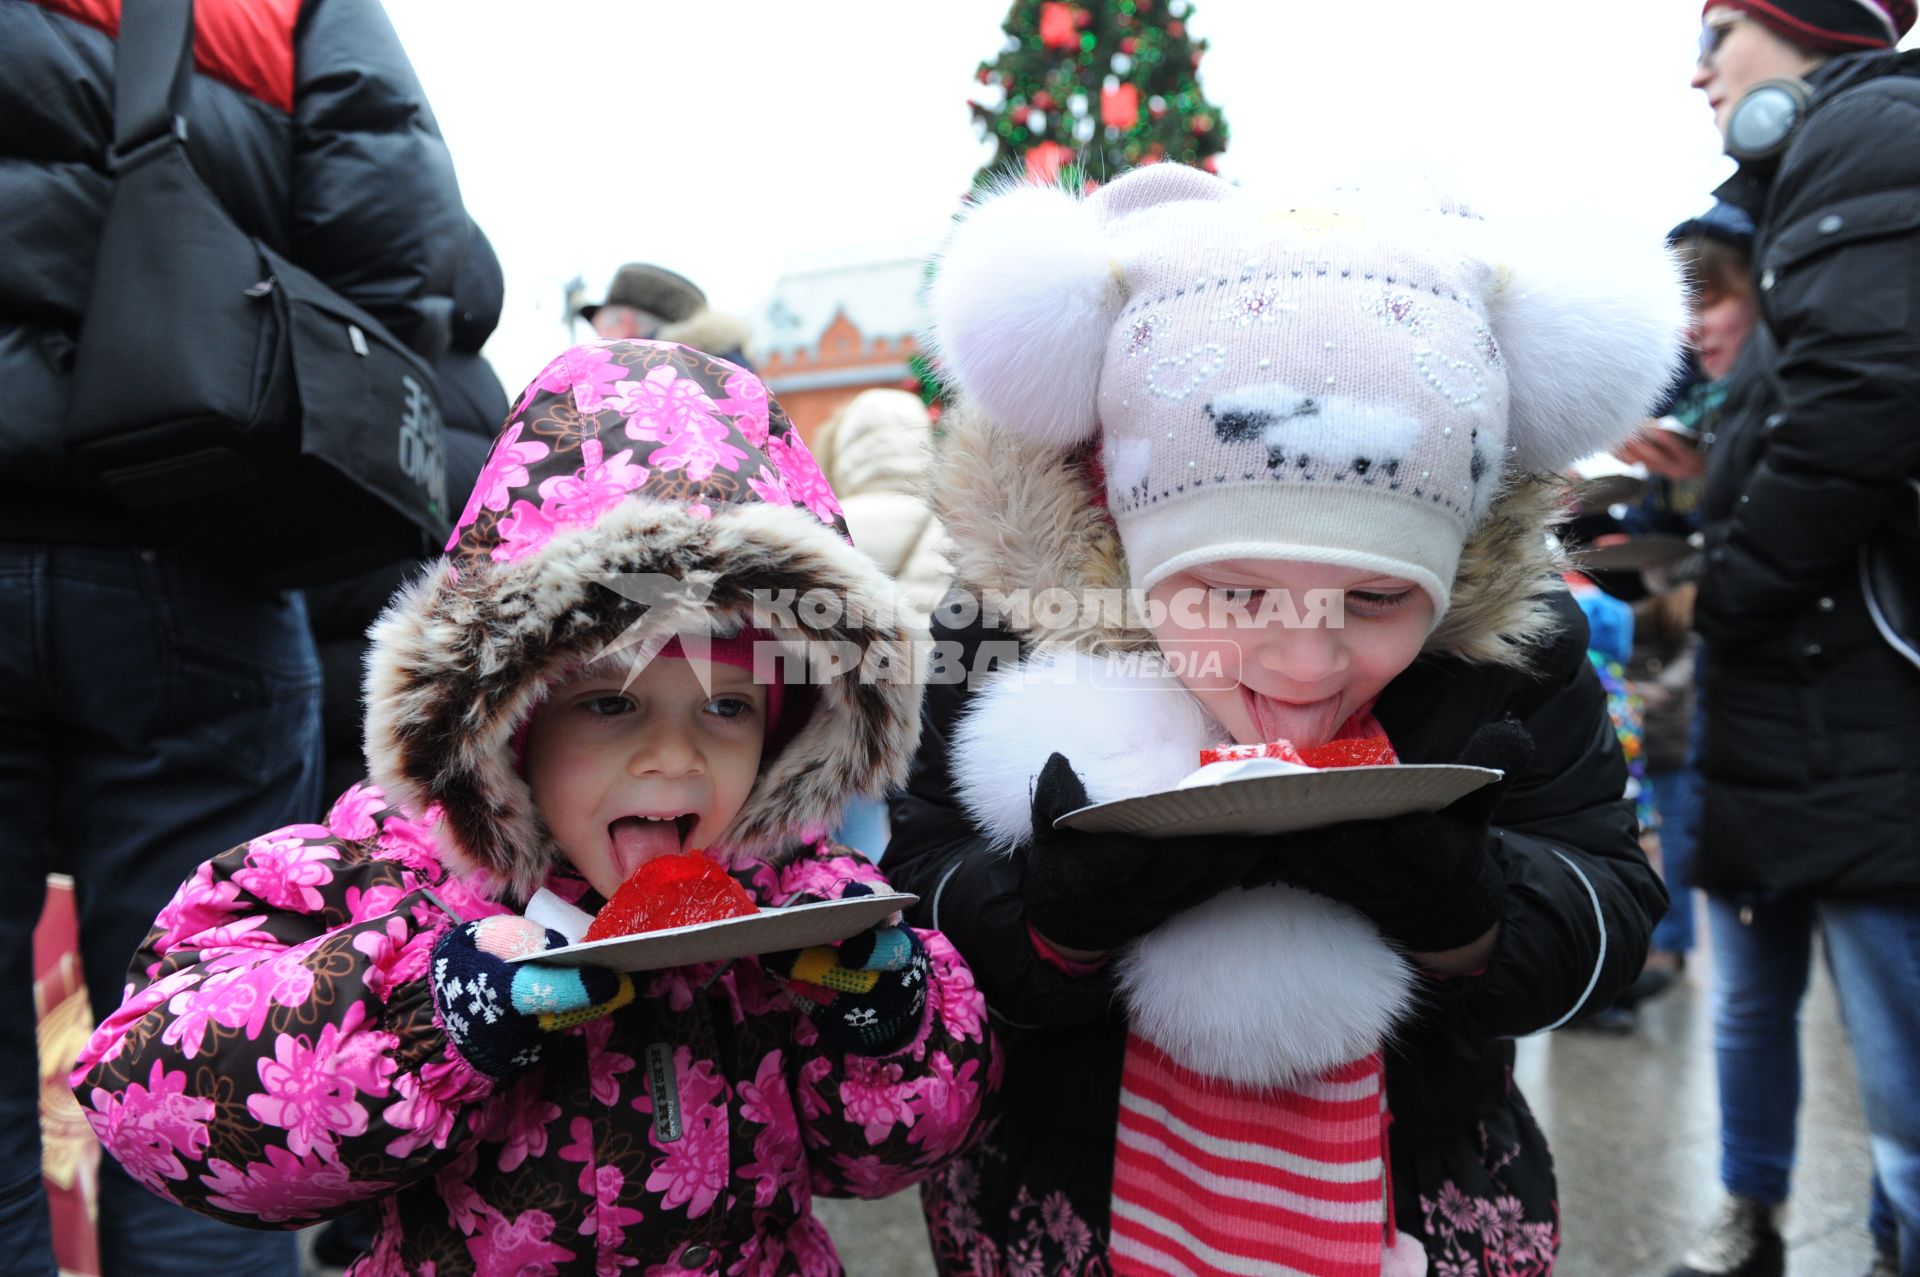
[(152, 714), (1760, 977), (1676, 796)]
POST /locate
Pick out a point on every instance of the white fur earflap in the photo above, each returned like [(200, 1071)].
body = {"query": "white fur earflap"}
[(1123, 733), (1021, 304), (1312, 985), (1589, 319)]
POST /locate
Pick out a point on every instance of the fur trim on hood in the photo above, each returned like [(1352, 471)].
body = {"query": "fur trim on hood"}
[(1020, 514), (712, 494)]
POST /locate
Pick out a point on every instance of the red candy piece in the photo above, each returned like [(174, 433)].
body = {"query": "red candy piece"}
[(1281, 749), (671, 891), (1375, 752)]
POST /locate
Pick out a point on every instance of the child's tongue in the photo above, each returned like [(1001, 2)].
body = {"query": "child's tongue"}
[(1305, 725), (637, 841)]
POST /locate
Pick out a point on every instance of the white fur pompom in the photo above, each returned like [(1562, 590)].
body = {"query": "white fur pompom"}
[(1021, 305), (1313, 985), (1124, 736), (1589, 320)]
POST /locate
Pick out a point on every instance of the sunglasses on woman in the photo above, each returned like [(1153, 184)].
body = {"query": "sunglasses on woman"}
[(1713, 35)]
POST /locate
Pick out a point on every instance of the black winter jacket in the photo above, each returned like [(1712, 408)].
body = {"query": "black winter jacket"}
[(1580, 901), (1812, 750), (306, 121)]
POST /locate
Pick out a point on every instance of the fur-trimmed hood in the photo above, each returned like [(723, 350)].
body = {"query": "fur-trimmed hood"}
[(634, 480)]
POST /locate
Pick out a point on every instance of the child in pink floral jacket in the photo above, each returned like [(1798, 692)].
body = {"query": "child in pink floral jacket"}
[(322, 1018)]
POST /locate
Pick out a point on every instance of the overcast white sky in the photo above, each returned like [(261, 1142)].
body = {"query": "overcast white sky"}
[(728, 138)]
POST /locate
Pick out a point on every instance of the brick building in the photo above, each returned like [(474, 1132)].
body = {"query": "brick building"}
[(837, 326)]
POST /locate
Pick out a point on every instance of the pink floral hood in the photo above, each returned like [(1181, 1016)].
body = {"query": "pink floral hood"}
[(634, 482)]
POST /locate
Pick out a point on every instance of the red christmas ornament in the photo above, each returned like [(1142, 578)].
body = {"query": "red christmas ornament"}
[(1209, 165), (1129, 44), (1059, 25), (1120, 106), (1043, 100), (1176, 29), (1045, 160)]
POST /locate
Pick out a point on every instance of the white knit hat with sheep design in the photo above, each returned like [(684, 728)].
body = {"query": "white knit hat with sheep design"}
[(1348, 382)]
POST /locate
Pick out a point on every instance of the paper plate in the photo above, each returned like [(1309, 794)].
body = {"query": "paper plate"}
[(1648, 550), (1606, 490), (1282, 804), (1602, 480), (795, 927)]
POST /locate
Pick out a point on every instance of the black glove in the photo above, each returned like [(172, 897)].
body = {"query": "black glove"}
[(1427, 880), (867, 994), (1097, 891)]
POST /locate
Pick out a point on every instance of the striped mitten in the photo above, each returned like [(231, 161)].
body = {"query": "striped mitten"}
[(495, 1011), (865, 995)]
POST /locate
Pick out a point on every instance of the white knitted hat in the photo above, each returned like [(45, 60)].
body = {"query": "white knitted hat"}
[(1339, 383)]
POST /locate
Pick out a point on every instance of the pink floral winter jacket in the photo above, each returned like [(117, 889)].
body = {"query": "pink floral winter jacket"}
[(278, 1058)]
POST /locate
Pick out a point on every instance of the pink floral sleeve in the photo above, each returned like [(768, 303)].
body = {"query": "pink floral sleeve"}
[(277, 1057), (875, 1125)]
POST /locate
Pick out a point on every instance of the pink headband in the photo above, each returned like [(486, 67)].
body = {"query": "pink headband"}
[(736, 651)]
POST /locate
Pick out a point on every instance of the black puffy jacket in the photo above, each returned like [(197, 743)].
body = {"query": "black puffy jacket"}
[(306, 121), (473, 405), (1812, 751)]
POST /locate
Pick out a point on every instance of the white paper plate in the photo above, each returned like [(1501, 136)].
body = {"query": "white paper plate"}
[(1644, 551), (1603, 490), (796, 927), (1281, 804)]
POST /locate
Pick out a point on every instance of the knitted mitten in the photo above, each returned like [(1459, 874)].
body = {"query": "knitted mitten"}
[(865, 995), (496, 1012)]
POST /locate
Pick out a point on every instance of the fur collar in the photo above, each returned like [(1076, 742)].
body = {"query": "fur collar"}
[(458, 661), (1263, 987), (1020, 514), (709, 330)]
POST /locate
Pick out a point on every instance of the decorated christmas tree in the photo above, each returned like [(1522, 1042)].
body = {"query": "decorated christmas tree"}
[(1092, 88), (1084, 90)]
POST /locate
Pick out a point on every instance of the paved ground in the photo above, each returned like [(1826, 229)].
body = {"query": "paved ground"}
[(1633, 1127), (1635, 1136)]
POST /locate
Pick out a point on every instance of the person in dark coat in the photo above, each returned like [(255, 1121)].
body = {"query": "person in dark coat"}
[(1807, 605), (151, 707), (472, 404), (1208, 1034)]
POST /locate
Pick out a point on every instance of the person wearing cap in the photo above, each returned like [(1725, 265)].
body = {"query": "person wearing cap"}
[(1276, 475), (648, 301), (1809, 603)]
